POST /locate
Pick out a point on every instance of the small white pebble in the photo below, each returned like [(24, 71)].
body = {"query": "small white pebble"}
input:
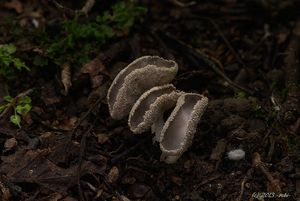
[(236, 154), (35, 23)]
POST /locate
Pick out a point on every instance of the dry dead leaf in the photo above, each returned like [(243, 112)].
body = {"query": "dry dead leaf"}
[(49, 94), (274, 186), (113, 174), (102, 138), (10, 144), (66, 77), (138, 190), (218, 151), (94, 68), (33, 166), (177, 180), (67, 124), (128, 180), (69, 199), (54, 197), (14, 4), (4, 193)]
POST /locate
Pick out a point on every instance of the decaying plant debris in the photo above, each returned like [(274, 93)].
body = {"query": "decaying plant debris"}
[(64, 55)]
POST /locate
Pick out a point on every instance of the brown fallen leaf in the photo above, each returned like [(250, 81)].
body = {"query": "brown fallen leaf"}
[(4, 193), (113, 174), (10, 144), (138, 190), (14, 4), (69, 199), (274, 186), (176, 180), (49, 94), (66, 77), (95, 68), (218, 150), (34, 166), (102, 138), (66, 124), (53, 197)]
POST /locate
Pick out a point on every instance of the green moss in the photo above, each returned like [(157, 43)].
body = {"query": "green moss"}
[(78, 38)]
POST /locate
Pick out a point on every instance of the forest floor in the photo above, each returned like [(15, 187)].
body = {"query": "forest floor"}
[(58, 58)]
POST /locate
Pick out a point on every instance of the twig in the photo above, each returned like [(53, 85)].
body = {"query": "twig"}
[(63, 8), (235, 53), (82, 150), (206, 181), (85, 115), (210, 61), (258, 164), (180, 4), (161, 43), (84, 10), (127, 151), (87, 6), (101, 97), (272, 147), (248, 174)]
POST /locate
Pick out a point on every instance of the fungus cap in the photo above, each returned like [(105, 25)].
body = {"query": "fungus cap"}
[(139, 76)]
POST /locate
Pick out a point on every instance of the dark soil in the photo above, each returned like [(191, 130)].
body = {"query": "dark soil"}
[(243, 55)]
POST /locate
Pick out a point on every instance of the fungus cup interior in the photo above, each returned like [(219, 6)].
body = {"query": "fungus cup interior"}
[(176, 133), (138, 116)]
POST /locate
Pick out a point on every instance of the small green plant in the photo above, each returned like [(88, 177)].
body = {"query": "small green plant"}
[(78, 38), (241, 94), (268, 115), (259, 112), (21, 108), (8, 62)]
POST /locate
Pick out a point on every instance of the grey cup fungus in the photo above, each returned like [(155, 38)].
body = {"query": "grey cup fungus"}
[(150, 106), (178, 132), (141, 90), (139, 76)]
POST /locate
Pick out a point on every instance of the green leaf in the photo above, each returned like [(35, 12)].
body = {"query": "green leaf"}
[(24, 100), (8, 61), (16, 119), (2, 107), (19, 64), (8, 48), (8, 99), (23, 109)]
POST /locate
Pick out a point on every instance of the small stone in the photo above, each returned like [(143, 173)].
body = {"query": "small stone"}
[(236, 154)]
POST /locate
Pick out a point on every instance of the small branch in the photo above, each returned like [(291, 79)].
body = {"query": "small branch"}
[(258, 164), (247, 176), (181, 4), (89, 4), (213, 63)]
